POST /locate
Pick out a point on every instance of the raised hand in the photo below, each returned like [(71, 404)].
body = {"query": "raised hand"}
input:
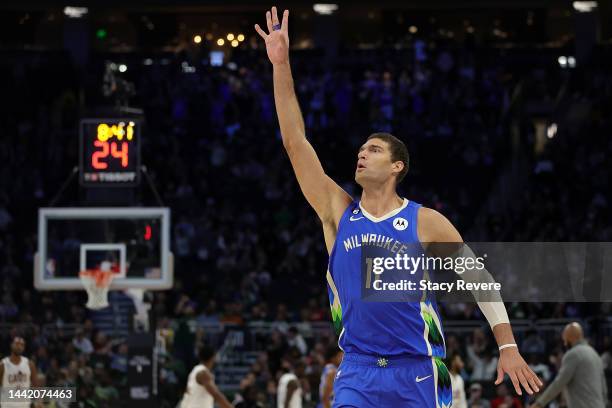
[(277, 38)]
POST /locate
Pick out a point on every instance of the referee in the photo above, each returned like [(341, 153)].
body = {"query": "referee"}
[(581, 373)]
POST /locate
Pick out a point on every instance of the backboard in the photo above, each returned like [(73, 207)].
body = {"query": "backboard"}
[(133, 241)]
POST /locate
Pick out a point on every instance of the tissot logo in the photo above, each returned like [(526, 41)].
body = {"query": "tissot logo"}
[(400, 223)]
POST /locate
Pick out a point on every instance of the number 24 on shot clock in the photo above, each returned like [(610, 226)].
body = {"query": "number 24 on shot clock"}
[(109, 152)]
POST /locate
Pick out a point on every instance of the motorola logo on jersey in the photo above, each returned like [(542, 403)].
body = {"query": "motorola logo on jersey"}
[(356, 211), (400, 224)]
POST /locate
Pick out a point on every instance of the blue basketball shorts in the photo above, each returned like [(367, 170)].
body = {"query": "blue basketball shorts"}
[(364, 381)]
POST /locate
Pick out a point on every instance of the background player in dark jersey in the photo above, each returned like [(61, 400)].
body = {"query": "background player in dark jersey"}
[(373, 362)]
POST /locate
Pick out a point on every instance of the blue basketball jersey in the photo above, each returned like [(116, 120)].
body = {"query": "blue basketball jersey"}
[(379, 328)]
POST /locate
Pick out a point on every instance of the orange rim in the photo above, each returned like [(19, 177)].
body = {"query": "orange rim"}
[(101, 277)]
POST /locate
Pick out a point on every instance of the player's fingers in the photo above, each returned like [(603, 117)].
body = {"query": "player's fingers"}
[(269, 21), (536, 380), (524, 382), (532, 378), (500, 375), (515, 382), (274, 16), (535, 377), (260, 31), (285, 23)]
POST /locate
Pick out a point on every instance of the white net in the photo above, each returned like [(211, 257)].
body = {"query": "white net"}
[(97, 283)]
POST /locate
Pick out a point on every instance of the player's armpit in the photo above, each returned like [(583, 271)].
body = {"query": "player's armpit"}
[(325, 196)]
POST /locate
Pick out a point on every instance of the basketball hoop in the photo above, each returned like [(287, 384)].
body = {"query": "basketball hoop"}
[(97, 283)]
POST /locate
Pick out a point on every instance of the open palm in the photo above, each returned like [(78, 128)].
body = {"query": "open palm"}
[(277, 40)]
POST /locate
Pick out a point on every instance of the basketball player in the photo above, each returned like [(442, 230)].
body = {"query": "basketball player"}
[(393, 350), (202, 392), (289, 393), (333, 358), (17, 372)]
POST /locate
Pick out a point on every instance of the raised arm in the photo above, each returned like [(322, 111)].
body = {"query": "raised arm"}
[(327, 198), (433, 227)]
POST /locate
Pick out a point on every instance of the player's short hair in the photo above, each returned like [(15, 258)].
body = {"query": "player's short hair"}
[(331, 352), (399, 151), (206, 353)]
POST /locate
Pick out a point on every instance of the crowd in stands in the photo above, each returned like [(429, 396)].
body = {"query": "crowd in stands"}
[(247, 247)]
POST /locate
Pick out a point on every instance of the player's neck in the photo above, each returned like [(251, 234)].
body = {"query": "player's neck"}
[(380, 201), (15, 359)]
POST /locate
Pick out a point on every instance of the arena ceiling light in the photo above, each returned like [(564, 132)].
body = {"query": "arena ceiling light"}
[(325, 8), (584, 6), (75, 12), (566, 62), (551, 131)]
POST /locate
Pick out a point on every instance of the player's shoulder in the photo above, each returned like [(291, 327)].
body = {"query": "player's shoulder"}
[(288, 377), (203, 374), (435, 227), (428, 217)]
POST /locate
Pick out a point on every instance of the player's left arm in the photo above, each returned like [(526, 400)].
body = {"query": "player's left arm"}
[(328, 388), (34, 382), (433, 227), (205, 380), (33, 374)]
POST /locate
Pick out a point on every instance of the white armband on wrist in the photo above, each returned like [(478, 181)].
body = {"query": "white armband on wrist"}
[(505, 346), (494, 312)]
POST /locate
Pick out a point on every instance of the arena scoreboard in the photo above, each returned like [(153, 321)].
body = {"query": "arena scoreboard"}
[(109, 152)]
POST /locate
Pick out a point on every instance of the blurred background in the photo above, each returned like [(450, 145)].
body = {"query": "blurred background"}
[(514, 96)]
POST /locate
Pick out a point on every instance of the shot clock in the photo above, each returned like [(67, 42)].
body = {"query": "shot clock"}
[(109, 152)]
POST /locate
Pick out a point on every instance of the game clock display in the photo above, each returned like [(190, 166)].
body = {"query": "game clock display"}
[(110, 152)]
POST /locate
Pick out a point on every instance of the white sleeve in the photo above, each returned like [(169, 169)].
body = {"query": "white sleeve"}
[(494, 312), (493, 308)]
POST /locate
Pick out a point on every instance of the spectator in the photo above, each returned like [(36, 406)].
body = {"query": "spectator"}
[(504, 398), (295, 339), (290, 386), (82, 343), (456, 366), (476, 399)]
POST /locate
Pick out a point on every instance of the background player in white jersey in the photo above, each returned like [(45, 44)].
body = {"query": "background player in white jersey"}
[(202, 392), (289, 392), (333, 358), (17, 372)]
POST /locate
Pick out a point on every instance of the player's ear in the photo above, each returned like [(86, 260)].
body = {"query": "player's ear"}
[(397, 167)]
